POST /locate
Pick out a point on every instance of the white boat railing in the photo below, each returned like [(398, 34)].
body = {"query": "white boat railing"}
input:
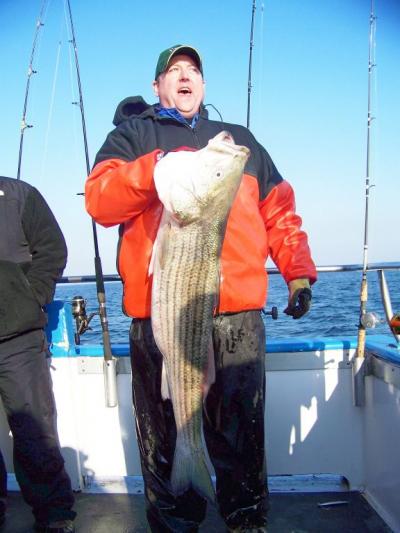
[(313, 428)]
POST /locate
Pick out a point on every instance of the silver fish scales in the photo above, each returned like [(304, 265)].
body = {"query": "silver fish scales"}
[(197, 190)]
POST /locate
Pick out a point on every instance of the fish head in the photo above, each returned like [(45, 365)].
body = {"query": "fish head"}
[(195, 185), (222, 168)]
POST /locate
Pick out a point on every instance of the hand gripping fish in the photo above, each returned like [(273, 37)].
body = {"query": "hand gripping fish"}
[(197, 190)]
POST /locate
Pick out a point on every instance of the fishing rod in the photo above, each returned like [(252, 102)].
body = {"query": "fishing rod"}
[(375, 267), (360, 352), (24, 125), (250, 63), (109, 361)]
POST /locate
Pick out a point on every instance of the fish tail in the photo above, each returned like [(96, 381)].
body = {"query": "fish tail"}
[(201, 479), (190, 470)]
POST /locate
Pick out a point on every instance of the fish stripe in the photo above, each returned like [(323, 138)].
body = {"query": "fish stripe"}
[(190, 247), (185, 286)]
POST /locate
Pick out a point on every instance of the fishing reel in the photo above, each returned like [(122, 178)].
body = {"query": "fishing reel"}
[(273, 313), (370, 320), (82, 321)]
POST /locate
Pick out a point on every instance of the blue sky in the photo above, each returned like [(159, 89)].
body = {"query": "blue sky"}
[(309, 103)]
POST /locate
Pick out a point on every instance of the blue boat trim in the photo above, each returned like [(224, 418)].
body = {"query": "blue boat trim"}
[(304, 344), (60, 335), (384, 347)]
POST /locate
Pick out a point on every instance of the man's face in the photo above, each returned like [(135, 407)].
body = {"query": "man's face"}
[(181, 86)]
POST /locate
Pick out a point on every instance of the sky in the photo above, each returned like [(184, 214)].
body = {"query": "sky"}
[(309, 104)]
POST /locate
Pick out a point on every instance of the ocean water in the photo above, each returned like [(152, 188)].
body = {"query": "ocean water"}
[(334, 312)]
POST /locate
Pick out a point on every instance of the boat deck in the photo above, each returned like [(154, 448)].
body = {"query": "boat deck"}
[(290, 513)]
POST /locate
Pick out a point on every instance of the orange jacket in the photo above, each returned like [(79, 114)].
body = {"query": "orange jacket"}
[(262, 221)]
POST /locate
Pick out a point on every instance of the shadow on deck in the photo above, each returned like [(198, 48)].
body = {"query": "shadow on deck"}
[(290, 513)]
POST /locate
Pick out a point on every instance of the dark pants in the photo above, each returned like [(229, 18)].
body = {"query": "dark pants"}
[(3, 486), (233, 423), (27, 395)]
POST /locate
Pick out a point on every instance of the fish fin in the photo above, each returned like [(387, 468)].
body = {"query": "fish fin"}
[(190, 470), (157, 245), (171, 176), (165, 392), (151, 264), (202, 480), (209, 375)]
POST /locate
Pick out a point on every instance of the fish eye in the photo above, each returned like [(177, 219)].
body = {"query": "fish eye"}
[(218, 174)]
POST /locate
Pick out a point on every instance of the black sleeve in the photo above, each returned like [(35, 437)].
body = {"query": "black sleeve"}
[(121, 143), (268, 176), (47, 246), (260, 164)]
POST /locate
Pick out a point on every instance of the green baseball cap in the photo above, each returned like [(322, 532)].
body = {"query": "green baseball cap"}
[(166, 56)]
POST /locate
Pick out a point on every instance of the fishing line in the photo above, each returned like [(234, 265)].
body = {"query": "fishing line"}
[(31, 71), (376, 133), (364, 285), (51, 107), (261, 58), (250, 63), (72, 89)]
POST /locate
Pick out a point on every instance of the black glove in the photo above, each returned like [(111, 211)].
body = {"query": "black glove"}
[(300, 296)]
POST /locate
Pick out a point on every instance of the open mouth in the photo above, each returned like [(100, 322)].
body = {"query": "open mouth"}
[(184, 91)]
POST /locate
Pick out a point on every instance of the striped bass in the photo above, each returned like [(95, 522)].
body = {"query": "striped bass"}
[(197, 190)]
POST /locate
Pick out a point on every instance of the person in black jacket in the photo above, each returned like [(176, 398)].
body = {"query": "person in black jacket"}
[(33, 255)]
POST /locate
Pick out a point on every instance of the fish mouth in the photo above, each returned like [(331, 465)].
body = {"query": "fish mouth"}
[(225, 138)]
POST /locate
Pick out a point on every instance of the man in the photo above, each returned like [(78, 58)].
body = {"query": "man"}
[(32, 256), (262, 222)]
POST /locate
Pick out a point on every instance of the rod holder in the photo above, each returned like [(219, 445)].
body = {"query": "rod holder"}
[(359, 373), (110, 382)]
